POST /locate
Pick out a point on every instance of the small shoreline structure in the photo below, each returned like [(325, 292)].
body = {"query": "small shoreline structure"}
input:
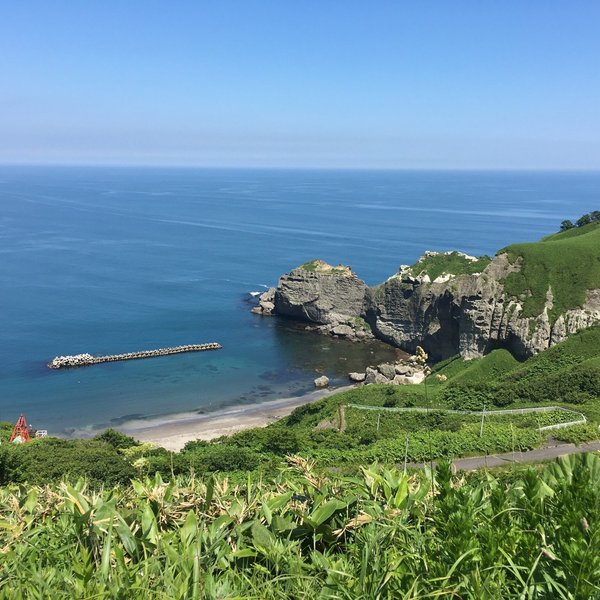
[(84, 360)]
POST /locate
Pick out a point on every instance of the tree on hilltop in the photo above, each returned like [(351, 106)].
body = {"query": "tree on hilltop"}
[(591, 217), (566, 225)]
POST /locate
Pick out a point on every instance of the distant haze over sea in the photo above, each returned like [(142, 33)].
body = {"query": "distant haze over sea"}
[(110, 260)]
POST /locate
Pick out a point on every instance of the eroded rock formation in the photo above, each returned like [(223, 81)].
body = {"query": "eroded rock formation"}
[(468, 314)]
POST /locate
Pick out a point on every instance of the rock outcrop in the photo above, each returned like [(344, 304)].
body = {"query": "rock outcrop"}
[(332, 297), (322, 294), (413, 370), (321, 382), (468, 313), (357, 377), (265, 304)]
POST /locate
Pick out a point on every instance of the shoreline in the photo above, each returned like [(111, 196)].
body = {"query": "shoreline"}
[(174, 431)]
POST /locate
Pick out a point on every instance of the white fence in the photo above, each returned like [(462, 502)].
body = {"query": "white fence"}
[(581, 420)]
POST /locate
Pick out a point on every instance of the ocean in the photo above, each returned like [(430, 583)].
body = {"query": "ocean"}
[(111, 260)]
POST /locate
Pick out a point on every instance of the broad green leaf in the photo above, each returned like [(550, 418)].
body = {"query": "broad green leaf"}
[(281, 524), (279, 502), (267, 512), (325, 511), (138, 487), (127, 538), (149, 526), (262, 538), (210, 490), (244, 553), (189, 529), (105, 565)]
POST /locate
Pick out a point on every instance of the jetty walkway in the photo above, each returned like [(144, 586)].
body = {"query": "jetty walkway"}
[(84, 360)]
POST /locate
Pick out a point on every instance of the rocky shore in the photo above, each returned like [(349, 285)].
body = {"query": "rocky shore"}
[(402, 372)]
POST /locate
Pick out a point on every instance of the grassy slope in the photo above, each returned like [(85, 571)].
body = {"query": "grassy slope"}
[(568, 374), (573, 363), (578, 348), (489, 367), (568, 262)]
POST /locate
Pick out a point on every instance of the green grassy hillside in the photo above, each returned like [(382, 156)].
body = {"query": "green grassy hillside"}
[(491, 366), (567, 262)]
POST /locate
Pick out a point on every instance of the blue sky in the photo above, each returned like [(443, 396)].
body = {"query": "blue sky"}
[(301, 83)]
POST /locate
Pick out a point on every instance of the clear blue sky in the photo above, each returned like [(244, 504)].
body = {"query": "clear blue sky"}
[(301, 83)]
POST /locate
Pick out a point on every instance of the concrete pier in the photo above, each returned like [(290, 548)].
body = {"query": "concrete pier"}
[(84, 360)]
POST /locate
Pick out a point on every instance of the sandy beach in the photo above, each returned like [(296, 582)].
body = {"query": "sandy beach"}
[(174, 431)]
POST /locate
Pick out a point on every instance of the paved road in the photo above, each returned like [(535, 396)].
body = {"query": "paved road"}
[(531, 456)]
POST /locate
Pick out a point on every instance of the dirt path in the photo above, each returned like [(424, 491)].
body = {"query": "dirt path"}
[(531, 456)]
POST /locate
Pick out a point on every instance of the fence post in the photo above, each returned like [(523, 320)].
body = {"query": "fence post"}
[(482, 417)]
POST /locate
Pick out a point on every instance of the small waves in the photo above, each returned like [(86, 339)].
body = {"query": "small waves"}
[(515, 214)]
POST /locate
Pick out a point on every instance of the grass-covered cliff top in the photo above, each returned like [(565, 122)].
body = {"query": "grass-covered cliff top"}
[(436, 264), (567, 262), (320, 266)]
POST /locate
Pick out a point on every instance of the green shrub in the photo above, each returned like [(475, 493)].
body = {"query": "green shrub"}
[(390, 399), (578, 434), (51, 459), (116, 439), (470, 396), (222, 457), (5, 431)]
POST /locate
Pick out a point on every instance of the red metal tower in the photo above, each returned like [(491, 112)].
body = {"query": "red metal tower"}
[(20, 431)]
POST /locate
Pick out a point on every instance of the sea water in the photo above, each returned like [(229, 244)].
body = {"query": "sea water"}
[(112, 260)]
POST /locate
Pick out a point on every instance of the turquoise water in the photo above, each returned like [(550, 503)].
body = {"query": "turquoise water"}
[(105, 260)]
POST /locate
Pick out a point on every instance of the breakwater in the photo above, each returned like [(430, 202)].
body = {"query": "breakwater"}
[(84, 360)]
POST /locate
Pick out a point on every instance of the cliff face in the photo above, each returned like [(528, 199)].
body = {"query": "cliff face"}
[(469, 314), (446, 314), (323, 294)]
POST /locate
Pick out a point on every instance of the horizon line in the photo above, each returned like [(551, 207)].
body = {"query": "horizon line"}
[(134, 165)]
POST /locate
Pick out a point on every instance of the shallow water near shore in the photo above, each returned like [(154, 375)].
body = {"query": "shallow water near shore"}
[(109, 261)]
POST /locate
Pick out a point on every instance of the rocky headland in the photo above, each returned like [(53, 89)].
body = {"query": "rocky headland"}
[(330, 298), (451, 303)]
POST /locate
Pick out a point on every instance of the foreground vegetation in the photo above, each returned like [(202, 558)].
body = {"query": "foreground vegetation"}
[(383, 534)]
